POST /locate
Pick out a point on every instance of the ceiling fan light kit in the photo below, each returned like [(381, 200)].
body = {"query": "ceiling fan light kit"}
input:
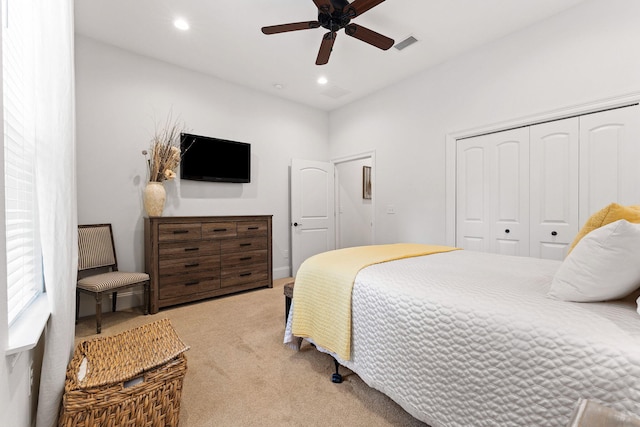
[(335, 15)]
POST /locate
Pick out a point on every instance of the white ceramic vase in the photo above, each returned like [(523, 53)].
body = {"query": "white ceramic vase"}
[(154, 198)]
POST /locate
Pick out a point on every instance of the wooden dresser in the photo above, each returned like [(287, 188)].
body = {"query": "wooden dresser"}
[(197, 257)]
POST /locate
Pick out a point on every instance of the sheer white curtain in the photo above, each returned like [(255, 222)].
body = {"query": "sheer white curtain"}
[(56, 185)]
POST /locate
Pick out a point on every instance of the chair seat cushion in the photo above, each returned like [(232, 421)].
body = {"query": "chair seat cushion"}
[(114, 279)]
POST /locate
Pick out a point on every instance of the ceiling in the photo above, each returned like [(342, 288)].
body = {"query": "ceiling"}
[(225, 41)]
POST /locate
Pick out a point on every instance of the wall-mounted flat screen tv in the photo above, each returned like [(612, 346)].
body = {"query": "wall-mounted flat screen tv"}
[(214, 159)]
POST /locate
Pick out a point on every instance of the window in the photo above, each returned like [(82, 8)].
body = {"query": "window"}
[(24, 269)]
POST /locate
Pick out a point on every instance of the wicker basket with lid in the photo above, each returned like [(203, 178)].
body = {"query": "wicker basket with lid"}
[(130, 379)]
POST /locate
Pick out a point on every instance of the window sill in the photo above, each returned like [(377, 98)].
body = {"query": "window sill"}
[(25, 333)]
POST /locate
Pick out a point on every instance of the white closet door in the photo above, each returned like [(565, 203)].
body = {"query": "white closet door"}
[(609, 159), (509, 192), (473, 225), (493, 193), (554, 187)]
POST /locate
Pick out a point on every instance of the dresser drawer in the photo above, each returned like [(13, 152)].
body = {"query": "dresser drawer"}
[(188, 284), (244, 259), (252, 228), (241, 275), (187, 265), (196, 248), (187, 256), (245, 244), (179, 231), (213, 230)]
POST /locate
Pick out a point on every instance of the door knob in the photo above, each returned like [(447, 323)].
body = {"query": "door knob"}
[(295, 224)]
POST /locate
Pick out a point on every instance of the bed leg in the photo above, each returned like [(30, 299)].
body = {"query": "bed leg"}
[(336, 377)]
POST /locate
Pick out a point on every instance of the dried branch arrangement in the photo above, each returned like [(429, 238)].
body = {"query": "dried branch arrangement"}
[(163, 156)]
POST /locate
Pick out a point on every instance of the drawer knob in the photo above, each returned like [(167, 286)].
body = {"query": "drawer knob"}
[(195, 264), (245, 244), (252, 228), (180, 231), (218, 230), (554, 233), (191, 249), (245, 274), (247, 258), (195, 282), (507, 231)]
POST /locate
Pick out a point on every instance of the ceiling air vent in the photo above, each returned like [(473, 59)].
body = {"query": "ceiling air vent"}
[(405, 43)]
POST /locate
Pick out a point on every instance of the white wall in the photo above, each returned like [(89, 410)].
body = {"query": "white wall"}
[(120, 97), (586, 54), (354, 212)]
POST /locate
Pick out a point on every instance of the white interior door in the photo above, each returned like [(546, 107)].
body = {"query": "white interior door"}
[(492, 193), (510, 192), (554, 187), (609, 159), (473, 225), (312, 210)]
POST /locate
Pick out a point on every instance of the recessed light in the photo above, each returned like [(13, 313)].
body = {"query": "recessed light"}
[(323, 81), (181, 24)]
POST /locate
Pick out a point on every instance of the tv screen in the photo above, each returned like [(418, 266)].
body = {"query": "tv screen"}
[(214, 159)]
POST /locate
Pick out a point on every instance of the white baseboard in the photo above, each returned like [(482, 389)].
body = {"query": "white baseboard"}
[(133, 297), (127, 299), (281, 272)]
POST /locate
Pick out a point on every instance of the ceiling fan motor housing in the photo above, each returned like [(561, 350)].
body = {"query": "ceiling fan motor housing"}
[(336, 20)]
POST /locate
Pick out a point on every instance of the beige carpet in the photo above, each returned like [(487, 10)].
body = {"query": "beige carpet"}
[(240, 374)]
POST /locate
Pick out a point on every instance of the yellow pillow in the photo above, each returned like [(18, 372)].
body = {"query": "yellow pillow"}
[(606, 215)]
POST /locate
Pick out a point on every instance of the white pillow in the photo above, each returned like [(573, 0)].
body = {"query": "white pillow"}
[(604, 265)]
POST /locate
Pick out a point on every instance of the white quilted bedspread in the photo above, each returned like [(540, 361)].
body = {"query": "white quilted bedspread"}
[(470, 339)]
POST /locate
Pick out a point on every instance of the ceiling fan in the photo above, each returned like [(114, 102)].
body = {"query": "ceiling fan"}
[(335, 15)]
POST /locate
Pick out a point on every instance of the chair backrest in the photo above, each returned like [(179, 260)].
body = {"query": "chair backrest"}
[(95, 247)]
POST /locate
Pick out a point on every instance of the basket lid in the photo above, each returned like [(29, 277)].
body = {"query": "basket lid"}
[(121, 357)]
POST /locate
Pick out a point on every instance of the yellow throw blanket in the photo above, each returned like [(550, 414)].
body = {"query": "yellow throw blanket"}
[(323, 285)]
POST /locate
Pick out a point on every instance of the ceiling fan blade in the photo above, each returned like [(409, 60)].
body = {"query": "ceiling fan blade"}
[(295, 26), (368, 36), (326, 47), (324, 6), (358, 7)]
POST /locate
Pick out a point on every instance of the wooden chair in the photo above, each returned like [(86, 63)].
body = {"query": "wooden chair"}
[(98, 269)]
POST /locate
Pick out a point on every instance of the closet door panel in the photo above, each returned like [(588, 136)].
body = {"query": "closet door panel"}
[(609, 159), (472, 225), (509, 192), (554, 187), (542, 182), (492, 193)]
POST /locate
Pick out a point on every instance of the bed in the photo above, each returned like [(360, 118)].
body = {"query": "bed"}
[(466, 338)]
